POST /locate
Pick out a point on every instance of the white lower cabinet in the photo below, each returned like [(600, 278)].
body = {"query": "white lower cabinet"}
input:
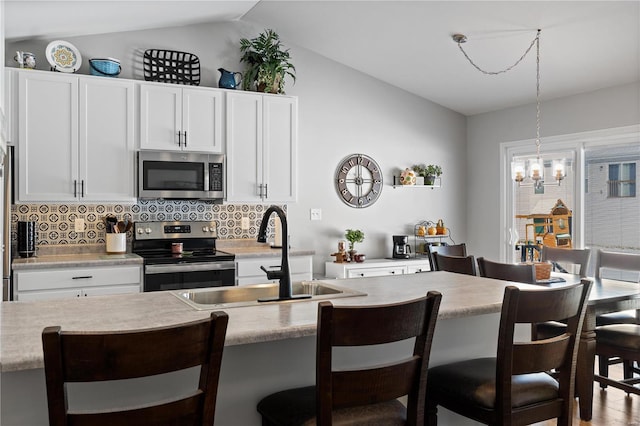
[(62, 283), (376, 268), (248, 270)]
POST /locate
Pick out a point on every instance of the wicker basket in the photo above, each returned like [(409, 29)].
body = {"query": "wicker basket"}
[(171, 66), (543, 270)]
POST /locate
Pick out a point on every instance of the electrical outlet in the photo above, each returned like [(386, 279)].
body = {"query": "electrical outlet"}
[(315, 214), (79, 225), (244, 223)]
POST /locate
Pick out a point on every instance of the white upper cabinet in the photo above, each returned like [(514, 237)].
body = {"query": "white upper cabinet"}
[(262, 132), (107, 139), (75, 138), (47, 136), (180, 119)]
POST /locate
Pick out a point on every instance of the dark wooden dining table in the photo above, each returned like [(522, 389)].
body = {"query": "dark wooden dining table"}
[(606, 296)]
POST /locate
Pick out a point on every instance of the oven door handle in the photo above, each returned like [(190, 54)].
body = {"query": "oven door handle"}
[(189, 267)]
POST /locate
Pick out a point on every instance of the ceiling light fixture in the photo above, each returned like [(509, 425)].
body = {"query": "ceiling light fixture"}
[(519, 168)]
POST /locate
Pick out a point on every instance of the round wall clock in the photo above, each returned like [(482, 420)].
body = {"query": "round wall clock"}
[(358, 180)]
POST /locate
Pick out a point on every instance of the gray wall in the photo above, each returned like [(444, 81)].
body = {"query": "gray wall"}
[(341, 112), (601, 109)]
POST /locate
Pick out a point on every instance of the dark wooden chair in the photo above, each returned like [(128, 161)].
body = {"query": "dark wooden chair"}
[(567, 256), (507, 271), (106, 356), (619, 262), (513, 387), (618, 342), (459, 264), (617, 339), (366, 395), (447, 250)]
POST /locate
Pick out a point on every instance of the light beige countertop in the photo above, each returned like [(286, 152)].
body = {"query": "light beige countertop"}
[(21, 323), (84, 255), (244, 249), (75, 261)]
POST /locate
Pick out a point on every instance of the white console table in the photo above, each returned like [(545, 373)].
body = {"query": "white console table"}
[(376, 268)]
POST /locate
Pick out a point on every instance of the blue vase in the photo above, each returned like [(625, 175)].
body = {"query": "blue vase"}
[(229, 79)]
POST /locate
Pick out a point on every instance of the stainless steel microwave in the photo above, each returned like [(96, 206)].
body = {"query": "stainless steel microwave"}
[(181, 175)]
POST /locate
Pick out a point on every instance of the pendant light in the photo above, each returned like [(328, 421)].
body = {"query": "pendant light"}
[(534, 166)]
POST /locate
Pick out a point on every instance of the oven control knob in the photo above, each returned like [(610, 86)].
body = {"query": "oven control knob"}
[(205, 229), (147, 230)]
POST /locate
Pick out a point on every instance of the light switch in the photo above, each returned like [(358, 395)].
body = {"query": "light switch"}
[(315, 214), (79, 225), (244, 223)]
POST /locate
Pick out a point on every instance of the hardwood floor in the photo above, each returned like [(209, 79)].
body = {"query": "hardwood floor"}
[(611, 407)]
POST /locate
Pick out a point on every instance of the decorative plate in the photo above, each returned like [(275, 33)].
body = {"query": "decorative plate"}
[(63, 56)]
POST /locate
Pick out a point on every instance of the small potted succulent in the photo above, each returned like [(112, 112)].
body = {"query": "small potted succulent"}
[(431, 172), (353, 236)]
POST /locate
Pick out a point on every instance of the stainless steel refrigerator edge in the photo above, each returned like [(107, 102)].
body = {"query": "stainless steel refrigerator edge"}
[(5, 225)]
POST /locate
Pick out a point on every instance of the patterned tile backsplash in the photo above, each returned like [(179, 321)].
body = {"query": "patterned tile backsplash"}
[(56, 221)]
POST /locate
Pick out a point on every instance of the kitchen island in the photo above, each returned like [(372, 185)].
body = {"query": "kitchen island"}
[(268, 347)]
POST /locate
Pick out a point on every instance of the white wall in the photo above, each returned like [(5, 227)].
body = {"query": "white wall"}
[(601, 109), (341, 112)]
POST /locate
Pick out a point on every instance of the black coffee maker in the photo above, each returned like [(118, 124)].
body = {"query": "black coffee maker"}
[(401, 247)]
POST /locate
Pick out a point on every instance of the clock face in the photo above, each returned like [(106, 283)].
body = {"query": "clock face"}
[(358, 180)]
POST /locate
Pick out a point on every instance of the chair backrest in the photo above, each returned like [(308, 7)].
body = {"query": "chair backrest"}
[(106, 356), (540, 356), (459, 264), (373, 325), (447, 250), (619, 261), (578, 257), (524, 273)]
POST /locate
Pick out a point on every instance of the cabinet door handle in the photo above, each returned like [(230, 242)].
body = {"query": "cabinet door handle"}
[(82, 188), (82, 277), (393, 272), (179, 138), (185, 138), (362, 274), (75, 188), (266, 190)]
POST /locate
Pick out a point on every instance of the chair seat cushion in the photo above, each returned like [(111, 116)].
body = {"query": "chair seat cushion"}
[(298, 407), (621, 335), (473, 382), (622, 317)]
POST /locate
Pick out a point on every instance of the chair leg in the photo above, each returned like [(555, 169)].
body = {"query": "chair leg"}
[(431, 416), (603, 367), (627, 368)]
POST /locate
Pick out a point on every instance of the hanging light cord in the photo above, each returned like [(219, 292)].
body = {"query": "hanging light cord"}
[(537, 41), (463, 39), (459, 38)]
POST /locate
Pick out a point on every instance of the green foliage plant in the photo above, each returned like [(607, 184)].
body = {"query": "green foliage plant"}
[(267, 63), (354, 236)]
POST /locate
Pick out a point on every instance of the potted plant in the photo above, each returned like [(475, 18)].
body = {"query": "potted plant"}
[(353, 236), (267, 62), (431, 173), (420, 170)]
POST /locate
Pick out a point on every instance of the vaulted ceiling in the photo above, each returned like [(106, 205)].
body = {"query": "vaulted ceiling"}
[(584, 45)]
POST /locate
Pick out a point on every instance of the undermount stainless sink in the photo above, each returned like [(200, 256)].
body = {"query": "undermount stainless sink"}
[(248, 295)]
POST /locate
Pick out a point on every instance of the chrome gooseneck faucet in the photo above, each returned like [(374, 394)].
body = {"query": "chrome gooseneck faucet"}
[(284, 273)]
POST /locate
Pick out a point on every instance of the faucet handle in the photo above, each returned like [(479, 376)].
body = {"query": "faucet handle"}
[(272, 272)]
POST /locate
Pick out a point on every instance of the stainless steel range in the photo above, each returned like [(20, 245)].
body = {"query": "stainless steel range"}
[(180, 255)]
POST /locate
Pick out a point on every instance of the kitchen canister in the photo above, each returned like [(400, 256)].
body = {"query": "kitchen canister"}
[(27, 239), (116, 243)]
